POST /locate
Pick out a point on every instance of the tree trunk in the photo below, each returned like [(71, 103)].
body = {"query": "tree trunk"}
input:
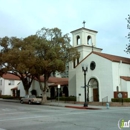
[(26, 92), (44, 97)]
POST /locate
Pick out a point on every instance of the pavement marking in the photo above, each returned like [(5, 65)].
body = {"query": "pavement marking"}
[(12, 113), (2, 129), (64, 114), (7, 109)]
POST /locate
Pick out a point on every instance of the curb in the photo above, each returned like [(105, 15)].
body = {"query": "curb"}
[(79, 107)]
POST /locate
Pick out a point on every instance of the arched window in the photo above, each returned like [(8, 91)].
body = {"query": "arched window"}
[(74, 63), (89, 40), (117, 88), (77, 60), (78, 40)]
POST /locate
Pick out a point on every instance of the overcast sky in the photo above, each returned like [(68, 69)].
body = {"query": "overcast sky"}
[(22, 18)]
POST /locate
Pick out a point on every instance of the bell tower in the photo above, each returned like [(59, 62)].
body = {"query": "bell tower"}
[(85, 41)]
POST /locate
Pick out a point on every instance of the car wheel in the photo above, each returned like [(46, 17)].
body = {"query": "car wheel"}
[(21, 101), (29, 102)]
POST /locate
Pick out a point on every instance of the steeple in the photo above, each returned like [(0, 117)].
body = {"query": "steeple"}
[(84, 40)]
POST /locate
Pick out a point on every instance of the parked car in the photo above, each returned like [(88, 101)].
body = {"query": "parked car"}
[(30, 99)]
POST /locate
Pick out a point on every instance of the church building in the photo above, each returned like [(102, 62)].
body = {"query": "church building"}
[(106, 75)]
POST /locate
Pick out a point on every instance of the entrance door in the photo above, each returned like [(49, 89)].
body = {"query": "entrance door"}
[(95, 94)]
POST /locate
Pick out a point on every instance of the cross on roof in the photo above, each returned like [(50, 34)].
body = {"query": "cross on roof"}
[(84, 24)]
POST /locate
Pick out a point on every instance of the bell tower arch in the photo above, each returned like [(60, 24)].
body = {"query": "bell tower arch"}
[(85, 41)]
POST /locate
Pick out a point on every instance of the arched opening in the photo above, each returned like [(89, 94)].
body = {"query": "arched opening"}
[(89, 40), (52, 92), (117, 89), (34, 92), (77, 60), (78, 40), (93, 86), (65, 91)]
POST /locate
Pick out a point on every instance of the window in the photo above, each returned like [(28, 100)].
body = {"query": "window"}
[(92, 65), (11, 82), (78, 40), (1, 82), (117, 88), (74, 63), (77, 61), (89, 40)]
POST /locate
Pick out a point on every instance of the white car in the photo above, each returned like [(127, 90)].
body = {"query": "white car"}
[(30, 99)]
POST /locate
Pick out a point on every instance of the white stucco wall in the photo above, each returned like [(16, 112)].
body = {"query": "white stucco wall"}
[(35, 85), (2, 86), (123, 85), (7, 88), (119, 69), (72, 80), (102, 72), (83, 33), (128, 88)]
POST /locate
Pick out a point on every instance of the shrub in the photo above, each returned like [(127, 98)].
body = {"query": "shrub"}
[(120, 99), (71, 98), (7, 97)]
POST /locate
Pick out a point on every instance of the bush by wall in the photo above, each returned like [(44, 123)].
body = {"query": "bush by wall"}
[(71, 98), (120, 99), (8, 97)]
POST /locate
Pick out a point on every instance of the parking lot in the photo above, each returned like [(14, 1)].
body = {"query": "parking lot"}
[(16, 116)]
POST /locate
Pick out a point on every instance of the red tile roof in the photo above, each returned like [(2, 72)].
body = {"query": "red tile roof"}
[(113, 58), (15, 88), (55, 80), (10, 76), (126, 78)]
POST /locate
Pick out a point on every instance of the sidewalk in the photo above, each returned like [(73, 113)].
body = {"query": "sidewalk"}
[(62, 104), (74, 105)]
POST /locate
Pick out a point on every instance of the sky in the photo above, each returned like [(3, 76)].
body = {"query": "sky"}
[(22, 18)]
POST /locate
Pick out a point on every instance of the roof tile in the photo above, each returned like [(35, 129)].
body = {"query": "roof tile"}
[(126, 78)]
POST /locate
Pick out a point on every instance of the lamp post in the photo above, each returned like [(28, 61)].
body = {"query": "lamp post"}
[(58, 92), (85, 69)]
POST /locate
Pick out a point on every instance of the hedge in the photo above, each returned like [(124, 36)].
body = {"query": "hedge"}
[(120, 99), (8, 97), (67, 98)]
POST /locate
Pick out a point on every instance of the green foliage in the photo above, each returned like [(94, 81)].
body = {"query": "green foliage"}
[(42, 54), (120, 99), (128, 37), (71, 98), (53, 51), (6, 97)]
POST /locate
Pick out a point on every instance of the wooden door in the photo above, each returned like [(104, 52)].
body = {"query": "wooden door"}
[(95, 94)]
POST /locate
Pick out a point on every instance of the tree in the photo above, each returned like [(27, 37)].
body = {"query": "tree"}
[(42, 54), (128, 27), (53, 51), (18, 58)]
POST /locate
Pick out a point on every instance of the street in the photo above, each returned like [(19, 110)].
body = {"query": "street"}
[(16, 116)]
